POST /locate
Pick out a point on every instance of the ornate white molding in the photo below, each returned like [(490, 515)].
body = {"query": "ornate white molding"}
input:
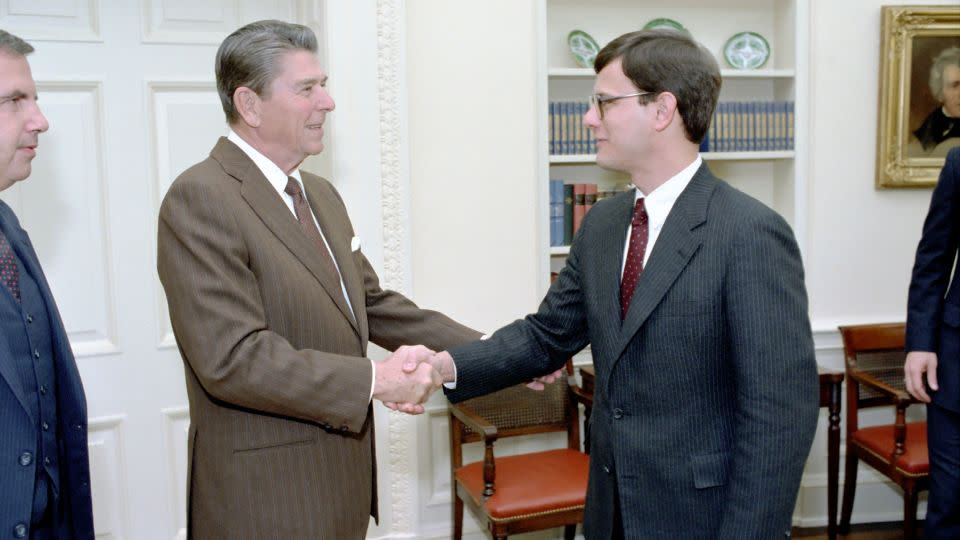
[(402, 427)]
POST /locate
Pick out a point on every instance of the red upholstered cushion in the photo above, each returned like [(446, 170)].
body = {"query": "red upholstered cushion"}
[(530, 484), (879, 441)]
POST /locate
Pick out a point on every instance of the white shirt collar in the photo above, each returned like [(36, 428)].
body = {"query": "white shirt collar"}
[(660, 201), (273, 173)]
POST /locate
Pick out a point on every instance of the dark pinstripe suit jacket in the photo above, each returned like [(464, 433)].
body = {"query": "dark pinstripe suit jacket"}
[(933, 310), (706, 398), (281, 428), (20, 431)]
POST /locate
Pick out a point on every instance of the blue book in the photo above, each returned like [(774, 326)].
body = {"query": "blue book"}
[(556, 212), (790, 119), (550, 128)]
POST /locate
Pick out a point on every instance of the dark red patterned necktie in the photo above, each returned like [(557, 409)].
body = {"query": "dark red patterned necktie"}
[(634, 265), (302, 209), (9, 271)]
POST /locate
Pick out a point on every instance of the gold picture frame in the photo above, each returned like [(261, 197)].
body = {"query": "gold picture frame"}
[(912, 38)]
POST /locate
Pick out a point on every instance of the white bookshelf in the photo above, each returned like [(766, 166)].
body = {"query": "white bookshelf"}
[(777, 178), (709, 156)]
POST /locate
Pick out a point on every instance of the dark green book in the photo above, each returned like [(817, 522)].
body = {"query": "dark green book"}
[(567, 214)]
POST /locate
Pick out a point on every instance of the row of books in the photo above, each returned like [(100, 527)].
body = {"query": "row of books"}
[(750, 126), (737, 126), (568, 135), (568, 204)]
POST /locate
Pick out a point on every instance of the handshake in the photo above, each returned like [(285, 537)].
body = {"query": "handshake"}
[(407, 378)]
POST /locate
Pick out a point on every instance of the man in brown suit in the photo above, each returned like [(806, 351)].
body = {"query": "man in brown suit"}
[(273, 304)]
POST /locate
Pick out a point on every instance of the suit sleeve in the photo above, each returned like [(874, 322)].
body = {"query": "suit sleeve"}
[(536, 345), (772, 355), (936, 254), (394, 320), (219, 321)]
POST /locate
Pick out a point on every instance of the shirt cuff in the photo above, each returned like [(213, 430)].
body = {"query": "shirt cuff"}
[(373, 378)]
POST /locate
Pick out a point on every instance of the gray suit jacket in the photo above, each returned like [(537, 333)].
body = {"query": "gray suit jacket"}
[(281, 427), (706, 397)]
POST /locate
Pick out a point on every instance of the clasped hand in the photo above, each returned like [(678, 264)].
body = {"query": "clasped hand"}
[(407, 378)]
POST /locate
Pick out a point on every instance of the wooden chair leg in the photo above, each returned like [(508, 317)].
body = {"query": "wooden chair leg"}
[(910, 496), (849, 488), (457, 516), (569, 532)]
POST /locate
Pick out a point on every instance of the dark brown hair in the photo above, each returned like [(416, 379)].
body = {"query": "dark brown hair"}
[(669, 61)]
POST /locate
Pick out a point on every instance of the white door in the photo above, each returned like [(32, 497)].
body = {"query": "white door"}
[(129, 92)]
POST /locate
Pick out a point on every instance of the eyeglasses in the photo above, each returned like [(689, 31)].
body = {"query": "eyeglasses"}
[(598, 101)]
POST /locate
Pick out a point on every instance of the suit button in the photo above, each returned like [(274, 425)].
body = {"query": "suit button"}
[(46, 461), (46, 426), (20, 530), (36, 354), (29, 318), (618, 413), (43, 390), (26, 459), (606, 469)]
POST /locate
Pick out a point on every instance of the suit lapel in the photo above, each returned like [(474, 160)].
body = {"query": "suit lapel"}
[(672, 251), (611, 256), (334, 233), (265, 202)]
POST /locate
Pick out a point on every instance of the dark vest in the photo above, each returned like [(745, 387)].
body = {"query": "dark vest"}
[(27, 329)]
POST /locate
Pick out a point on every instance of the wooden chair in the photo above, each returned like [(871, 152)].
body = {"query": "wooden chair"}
[(874, 355), (526, 492)]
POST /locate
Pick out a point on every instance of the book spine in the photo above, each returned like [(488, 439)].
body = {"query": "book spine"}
[(556, 212), (550, 127), (567, 214), (589, 197), (579, 205)]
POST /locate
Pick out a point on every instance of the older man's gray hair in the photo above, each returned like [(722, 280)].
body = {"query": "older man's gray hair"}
[(250, 57)]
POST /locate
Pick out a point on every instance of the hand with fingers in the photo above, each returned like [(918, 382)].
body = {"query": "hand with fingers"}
[(918, 363), (403, 389)]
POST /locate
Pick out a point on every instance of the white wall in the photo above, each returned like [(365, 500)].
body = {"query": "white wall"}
[(473, 158), (861, 240)]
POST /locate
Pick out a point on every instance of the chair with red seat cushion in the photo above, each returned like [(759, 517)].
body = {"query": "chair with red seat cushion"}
[(874, 358), (525, 492)]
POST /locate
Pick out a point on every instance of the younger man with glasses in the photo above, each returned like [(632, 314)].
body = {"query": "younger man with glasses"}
[(691, 295)]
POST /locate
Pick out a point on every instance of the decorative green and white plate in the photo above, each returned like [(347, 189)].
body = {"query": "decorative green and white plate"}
[(746, 50), (583, 48), (663, 23)]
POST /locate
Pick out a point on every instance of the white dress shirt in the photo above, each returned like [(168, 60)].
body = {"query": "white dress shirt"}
[(658, 204), (278, 179)]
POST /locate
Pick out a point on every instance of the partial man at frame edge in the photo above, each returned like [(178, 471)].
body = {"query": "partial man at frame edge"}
[(273, 303), (45, 475), (932, 366), (707, 393)]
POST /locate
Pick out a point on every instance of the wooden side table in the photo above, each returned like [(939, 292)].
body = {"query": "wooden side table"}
[(830, 386)]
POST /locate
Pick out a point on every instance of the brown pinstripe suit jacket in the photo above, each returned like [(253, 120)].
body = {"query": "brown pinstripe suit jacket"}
[(281, 433)]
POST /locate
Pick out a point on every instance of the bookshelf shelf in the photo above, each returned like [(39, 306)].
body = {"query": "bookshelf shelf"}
[(587, 73), (580, 159)]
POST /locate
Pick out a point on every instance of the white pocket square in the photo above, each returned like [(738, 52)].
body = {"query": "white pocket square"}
[(355, 243)]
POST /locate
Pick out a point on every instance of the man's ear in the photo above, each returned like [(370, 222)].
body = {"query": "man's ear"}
[(666, 104), (248, 106)]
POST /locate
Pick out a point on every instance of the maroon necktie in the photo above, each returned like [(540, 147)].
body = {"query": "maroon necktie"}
[(309, 226), (9, 272), (634, 265)]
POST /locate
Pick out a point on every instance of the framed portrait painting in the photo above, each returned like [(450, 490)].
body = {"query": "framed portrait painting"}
[(919, 93)]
